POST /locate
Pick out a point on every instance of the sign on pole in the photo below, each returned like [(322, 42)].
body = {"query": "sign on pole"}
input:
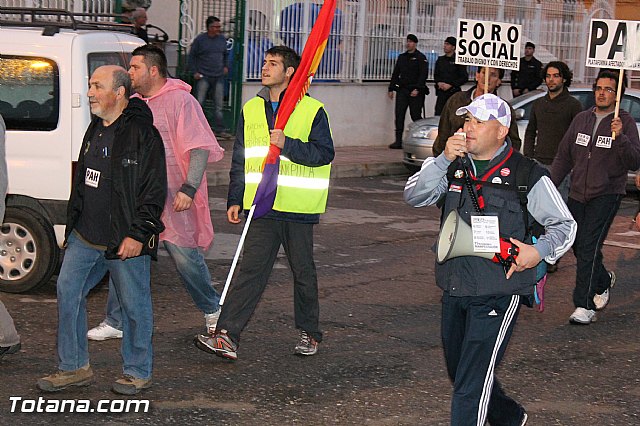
[(614, 44), (488, 44)]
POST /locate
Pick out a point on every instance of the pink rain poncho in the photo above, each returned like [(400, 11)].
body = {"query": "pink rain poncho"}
[(183, 127)]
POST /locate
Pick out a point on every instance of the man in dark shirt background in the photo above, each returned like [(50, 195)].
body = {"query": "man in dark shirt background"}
[(529, 77), (208, 63), (409, 81), (448, 76)]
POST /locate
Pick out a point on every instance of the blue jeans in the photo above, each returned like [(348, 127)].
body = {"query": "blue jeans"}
[(195, 276), (215, 85), (83, 267)]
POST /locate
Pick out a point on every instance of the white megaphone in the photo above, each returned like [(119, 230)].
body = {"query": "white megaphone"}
[(456, 239)]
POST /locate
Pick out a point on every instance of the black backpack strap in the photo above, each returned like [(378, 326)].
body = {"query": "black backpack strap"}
[(524, 167), (523, 176)]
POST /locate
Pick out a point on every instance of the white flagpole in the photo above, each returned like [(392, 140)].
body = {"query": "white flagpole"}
[(237, 255)]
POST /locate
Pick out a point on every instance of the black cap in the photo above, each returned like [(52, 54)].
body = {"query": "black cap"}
[(450, 40), (529, 44), (412, 37)]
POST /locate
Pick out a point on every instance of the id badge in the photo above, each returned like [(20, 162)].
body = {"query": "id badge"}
[(92, 178), (486, 234)]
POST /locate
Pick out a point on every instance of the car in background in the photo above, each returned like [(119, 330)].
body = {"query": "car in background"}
[(420, 135)]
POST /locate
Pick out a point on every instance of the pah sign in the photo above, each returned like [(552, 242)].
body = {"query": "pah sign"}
[(614, 44), (489, 44)]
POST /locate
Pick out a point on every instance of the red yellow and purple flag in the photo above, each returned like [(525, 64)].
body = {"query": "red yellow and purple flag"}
[(298, 86)]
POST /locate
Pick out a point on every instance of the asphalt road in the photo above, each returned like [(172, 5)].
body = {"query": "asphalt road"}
[(381, 361)]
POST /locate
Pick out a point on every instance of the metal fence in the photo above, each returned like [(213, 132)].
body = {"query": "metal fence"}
[(368, 35)]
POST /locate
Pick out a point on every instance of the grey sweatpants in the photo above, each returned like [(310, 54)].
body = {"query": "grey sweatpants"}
[(8, 334)]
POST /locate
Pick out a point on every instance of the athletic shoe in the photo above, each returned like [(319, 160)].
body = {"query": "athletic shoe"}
[(64, 379), (210, 322), (583, 316), (601, 300), (104, 332), (395, 145), (7, 350), (307, 345), (129, 385), (219, 344)]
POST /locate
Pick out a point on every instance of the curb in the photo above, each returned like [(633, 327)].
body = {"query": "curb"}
[(220, 177)]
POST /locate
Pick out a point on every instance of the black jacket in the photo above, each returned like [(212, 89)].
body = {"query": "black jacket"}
[(530, 75), (410, 72), (139, 181), (548, 121), (447, 71)]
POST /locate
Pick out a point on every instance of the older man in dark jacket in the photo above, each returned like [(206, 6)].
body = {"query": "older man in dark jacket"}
[(113, 222)]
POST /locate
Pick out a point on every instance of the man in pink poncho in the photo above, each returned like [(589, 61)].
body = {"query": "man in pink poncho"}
[(189, 145)]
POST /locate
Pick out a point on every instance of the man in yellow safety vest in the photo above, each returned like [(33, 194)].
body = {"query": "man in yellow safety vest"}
[(302, 189)]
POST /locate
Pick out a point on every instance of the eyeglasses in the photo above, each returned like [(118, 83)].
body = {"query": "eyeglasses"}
[(604, 89)]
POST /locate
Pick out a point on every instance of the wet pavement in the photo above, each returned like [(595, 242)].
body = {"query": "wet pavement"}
[(381, 359)]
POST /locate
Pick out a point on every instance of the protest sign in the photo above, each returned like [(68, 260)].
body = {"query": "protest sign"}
[(614, 44), (488, 44)]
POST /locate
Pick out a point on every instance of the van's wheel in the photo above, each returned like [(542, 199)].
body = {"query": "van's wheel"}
[(29, 253)]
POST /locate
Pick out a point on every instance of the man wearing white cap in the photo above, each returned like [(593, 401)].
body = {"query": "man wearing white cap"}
[(481, 297)]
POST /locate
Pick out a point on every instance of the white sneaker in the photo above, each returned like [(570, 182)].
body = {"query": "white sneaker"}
[(601, 300), (104, 332), (210, 322), (583, 316)]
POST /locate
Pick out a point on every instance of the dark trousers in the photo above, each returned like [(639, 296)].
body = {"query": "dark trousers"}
[(404, 100), (263, 240), (475, 333), (594, 219), (442, 98)]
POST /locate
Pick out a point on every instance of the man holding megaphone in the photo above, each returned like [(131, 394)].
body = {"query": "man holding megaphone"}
[(475, 180)]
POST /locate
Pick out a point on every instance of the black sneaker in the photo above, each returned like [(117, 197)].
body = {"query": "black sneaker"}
[(7, 350), (395, 145), (307, 345)]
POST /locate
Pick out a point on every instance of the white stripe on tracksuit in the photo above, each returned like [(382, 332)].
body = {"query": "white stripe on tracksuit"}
[(485, 397)]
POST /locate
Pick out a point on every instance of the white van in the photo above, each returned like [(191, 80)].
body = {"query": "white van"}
[(44, 76)]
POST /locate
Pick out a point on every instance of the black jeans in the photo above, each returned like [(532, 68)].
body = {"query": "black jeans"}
[(594, 219), (404, 100), (263, 240), (475, 333)]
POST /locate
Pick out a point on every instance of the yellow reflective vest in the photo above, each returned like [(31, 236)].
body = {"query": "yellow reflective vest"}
[(301, 189)]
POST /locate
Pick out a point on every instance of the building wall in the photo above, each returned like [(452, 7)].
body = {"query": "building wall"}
[(628, 10), (166, 15), (360, 114)]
